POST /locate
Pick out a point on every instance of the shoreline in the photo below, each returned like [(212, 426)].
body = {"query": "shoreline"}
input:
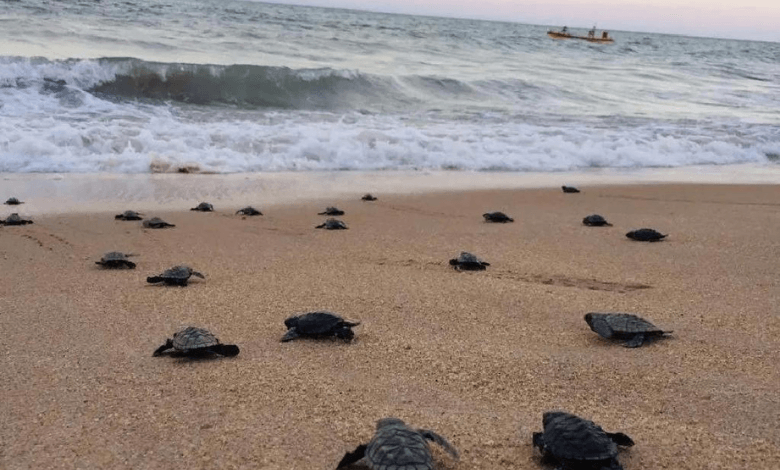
[(104, 192)]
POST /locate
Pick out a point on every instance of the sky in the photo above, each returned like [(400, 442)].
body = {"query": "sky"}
[(734, 19)]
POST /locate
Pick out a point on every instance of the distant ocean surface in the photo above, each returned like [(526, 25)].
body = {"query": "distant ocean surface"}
[(233, 86)]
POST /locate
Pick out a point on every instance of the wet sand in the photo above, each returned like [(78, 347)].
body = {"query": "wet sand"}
[(478, 357)]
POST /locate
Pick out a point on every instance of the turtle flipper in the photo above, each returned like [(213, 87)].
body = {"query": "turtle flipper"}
[(621, 439), (432, 436), (538, 440), (227, 350), (352, 457), (197, 274), (636, 341), (291, 334), (168, 345), (600, 326)]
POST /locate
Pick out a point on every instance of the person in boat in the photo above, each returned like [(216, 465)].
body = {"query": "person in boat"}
[(592, 33), (604, 35), (565, 30)]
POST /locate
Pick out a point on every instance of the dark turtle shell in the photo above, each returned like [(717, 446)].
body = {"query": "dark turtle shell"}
[(156, 222), (333, 224), (318, 324), (368, 197), (497, 217), (177, 275), (645, 235), (623, 326), (15, 219), (128, 215), (468, 262), (248, 210), (569, 189), (195, 341), (12, 201), (203, 207), (396, 446), (331, 211), (116, 259), (569, 438), (595, 220)]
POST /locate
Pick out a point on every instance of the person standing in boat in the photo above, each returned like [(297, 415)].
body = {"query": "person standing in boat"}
[(604, 35), (592, 32), (565, 30)]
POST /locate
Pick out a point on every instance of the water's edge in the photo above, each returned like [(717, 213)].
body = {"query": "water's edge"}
[(92, 193)]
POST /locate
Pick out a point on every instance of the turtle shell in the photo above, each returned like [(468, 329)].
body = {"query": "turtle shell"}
[(191, 338), (468, 261), (499, 217), (249, 210), (128, 215), (395, 446), (177, 272), (331, 211), (315, 323), (203, 207), (569, 437), (646, 235), (333, 224), (595, 220), (15, 219), (12, 201), (622, 324)]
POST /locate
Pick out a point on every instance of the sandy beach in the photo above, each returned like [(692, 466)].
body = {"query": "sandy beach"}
[(477, 357)]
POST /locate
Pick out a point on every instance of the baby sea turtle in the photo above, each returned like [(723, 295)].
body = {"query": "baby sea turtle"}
[(12, 201), (596, 220), (156, 222), (193, 341), (468, 262), (333, 224), (331, 211), (15, 219), (645, 235), (578, 443), (318, 325), (623, 326), (569, 189), (498, 217), (176, 276), (116, 260), (129, 215), (368, 197), (396, 446), (248, 210), (203, 207)]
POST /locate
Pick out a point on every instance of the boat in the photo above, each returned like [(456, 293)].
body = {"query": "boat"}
[(591, 37)]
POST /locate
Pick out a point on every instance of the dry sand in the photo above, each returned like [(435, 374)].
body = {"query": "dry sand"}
[(477, 357)]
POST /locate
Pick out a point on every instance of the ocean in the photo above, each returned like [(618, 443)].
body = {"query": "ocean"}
[(107, 86)]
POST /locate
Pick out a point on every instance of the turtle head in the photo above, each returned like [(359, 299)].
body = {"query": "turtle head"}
[(387, 422), (589, 318)]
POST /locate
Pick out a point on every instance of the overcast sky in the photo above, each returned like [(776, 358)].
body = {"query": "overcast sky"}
[(737, 19)]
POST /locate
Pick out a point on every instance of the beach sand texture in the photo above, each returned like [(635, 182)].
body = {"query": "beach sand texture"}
[(477, 357)]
